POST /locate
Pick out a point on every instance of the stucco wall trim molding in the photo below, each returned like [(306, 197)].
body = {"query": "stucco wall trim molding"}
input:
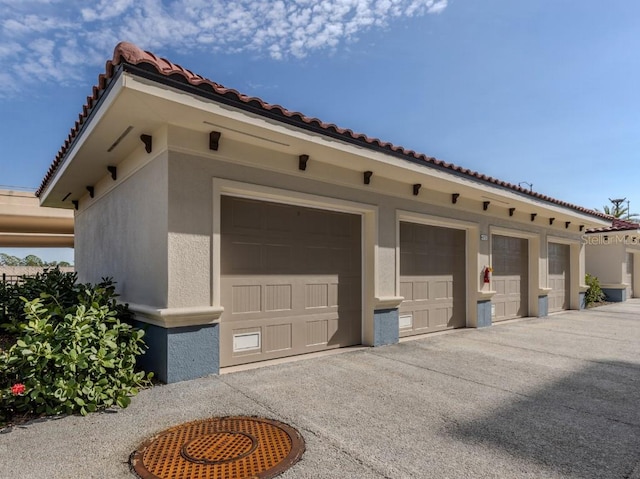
[(614, 285), (563, 240), (177, 317), (388, 302), (485, 295)]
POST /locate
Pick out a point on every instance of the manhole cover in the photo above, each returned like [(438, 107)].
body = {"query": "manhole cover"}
[(225, 448)]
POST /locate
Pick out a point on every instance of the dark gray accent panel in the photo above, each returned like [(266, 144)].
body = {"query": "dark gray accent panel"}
[(180, 354), (386, 327), (155, 358), (615, 295), (581, 297), (543, 306), (484, 314)]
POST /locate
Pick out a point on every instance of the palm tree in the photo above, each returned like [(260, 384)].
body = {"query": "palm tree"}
[(619, 211)]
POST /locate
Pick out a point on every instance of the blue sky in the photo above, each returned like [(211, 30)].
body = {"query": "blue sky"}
[(545, 92)]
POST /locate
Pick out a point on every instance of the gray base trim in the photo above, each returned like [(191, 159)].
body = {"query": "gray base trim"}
[(484, 314), (179, 354), (386, 327), (581, 300), (543, 306), (615, 295)]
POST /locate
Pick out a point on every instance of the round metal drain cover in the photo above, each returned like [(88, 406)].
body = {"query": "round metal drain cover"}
[(228, 447)]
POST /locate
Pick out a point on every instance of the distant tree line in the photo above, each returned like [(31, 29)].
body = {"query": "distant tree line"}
[(29, 260)]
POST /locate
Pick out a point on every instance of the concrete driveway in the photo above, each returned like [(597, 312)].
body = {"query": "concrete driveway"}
[(539, 398)]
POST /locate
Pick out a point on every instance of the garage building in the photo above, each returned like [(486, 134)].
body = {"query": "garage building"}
[(240, 232), (613, 256)]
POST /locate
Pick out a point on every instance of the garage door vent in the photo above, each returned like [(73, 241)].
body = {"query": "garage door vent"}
[(246, 342)]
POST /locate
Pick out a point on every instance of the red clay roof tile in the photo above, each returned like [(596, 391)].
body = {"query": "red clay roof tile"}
[(617, 225), (127, 53)]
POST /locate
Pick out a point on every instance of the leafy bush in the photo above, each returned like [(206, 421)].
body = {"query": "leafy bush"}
[(73, 352), (59, 292), (594, 294)]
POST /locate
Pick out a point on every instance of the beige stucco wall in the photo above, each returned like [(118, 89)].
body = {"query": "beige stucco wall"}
[(191, 217), (152, 230), (605, 260), (606, 256), (123, 234)]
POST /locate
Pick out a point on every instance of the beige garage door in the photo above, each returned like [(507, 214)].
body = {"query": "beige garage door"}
[(510, 272), (558, 277), (432, 278), (290, 280), (629, 275)]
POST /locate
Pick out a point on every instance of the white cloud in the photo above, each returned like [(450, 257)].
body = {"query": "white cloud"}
[(40, 40), (106, 9)]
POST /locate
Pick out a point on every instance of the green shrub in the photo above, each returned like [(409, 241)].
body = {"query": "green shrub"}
[(59, 292), (594, 294), (73, 350)]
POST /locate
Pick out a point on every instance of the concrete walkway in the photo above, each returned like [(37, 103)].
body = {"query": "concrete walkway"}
[(539, 398)]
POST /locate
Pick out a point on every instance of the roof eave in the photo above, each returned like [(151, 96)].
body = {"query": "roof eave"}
[(180, 83), (77, 135), (130, 58)]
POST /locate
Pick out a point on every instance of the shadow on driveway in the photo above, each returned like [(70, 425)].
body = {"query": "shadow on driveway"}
[(586, 425)]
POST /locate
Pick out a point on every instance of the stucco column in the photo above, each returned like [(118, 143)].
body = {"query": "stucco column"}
[(385, 328), (577, 276)]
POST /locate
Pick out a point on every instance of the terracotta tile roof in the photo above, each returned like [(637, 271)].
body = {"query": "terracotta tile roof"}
[(617, 225), (128, 54)]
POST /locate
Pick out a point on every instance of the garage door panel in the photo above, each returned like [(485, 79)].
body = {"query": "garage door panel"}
[(278, 297), (406, 290), (431, 319), (421, 320), (279, 294), (317, 296), (248, 254), (317, 332), (278, 337), (441, 317), (558, 260), (420, 290), (432, 278), (292, 334), (315, 223), (512, 309), (288, 280), (342, 227), (277, 257), (441, 289), (279, 220), (342, 260), (247, 298), (509, 257), (243, 216), (514, 286)]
